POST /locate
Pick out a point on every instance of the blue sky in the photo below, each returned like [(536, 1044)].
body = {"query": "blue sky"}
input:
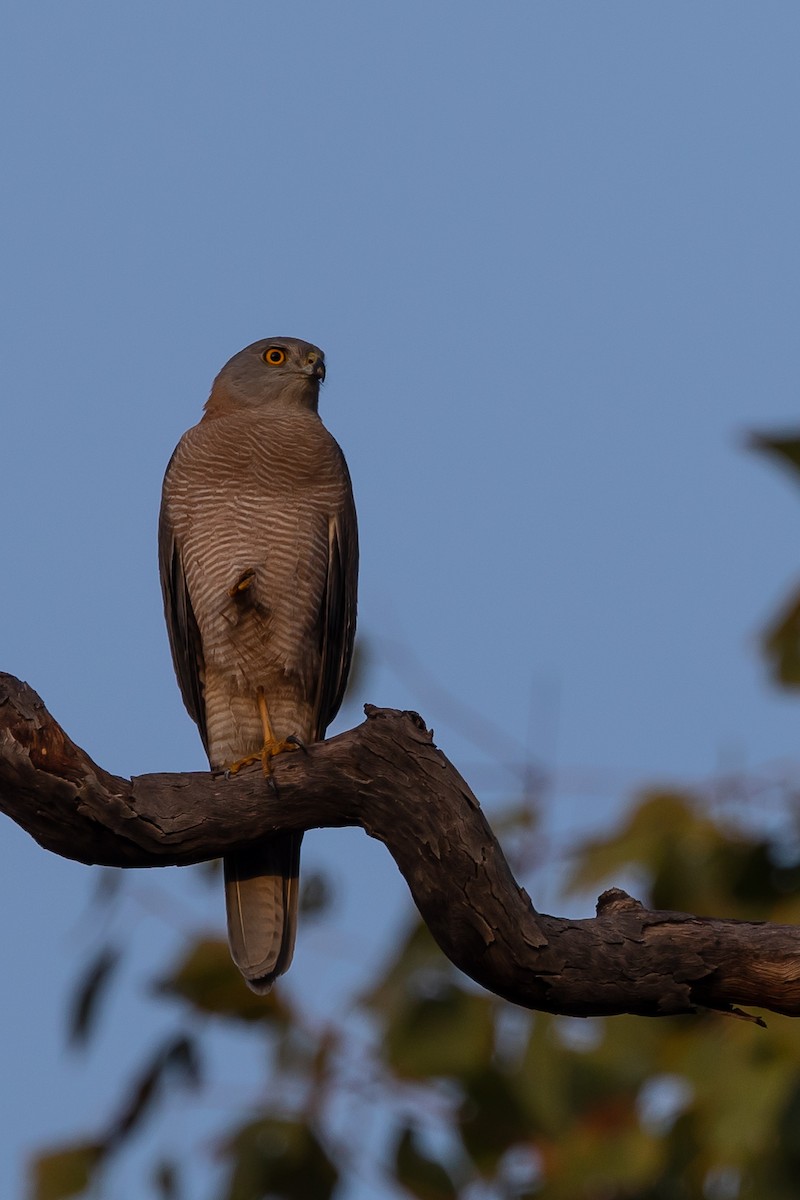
[(552, 253)]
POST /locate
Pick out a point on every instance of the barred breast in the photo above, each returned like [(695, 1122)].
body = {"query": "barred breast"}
[(251, 498)]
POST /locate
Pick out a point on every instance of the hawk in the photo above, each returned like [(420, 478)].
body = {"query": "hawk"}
[(258, 556)]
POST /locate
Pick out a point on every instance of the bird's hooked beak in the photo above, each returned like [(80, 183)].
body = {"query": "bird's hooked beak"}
[(315, 366)]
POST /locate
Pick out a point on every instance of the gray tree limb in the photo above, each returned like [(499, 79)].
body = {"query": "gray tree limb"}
[(389, 778)]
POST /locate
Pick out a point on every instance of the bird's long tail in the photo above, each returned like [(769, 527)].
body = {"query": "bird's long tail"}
[(261, 891)]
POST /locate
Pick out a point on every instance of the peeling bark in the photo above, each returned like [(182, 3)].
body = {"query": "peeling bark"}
[(389, 778)]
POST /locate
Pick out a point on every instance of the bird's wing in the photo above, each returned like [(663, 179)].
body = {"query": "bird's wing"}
[(338, 612), (184, 634)]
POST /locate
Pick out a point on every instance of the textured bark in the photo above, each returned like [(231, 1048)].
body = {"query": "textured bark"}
[(388, 777)]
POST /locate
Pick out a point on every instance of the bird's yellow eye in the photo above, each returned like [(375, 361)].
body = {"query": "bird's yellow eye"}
[(274, 356)]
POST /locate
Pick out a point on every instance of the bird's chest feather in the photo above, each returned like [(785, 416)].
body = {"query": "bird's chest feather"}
[(252, 504)]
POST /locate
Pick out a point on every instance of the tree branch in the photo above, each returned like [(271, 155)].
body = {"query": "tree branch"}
[(388, 777)]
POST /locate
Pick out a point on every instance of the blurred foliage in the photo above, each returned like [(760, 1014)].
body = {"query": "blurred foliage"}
[(65, 1172), (417, 1173), (780, 640), (274, 1157), (86, 1002), (476, 1099), (204, 979)]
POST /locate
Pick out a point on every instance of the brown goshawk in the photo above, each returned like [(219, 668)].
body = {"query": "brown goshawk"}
[(258, 555)]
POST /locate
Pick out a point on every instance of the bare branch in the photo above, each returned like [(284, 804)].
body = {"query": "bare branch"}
[(388, 777)]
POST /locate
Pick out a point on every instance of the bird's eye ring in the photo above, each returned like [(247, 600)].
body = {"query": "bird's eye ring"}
[(274, 356)]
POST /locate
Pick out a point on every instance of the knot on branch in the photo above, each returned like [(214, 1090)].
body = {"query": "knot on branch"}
[(373, 713), (614, 901)]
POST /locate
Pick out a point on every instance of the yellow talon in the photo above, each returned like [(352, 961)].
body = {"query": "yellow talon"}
[(271, 745), (264, 756)]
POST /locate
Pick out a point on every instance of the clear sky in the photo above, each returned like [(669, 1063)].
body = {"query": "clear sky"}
[(552, 252)]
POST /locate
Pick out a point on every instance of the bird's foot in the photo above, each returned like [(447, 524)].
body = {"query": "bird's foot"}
[(265, 755)]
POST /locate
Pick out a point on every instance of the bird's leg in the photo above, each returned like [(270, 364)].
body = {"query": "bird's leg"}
[(271, 745)]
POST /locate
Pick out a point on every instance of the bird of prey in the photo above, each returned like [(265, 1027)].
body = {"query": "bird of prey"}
[(258, 555)]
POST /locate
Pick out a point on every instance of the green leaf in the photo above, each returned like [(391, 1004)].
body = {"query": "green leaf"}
[(281, 1159), (433, 1027), (108, 884), (780, 643), (316, 895), (448, 1033), (420, 1175), (544, 1078), (607, 1154), (785, 447), (650, 824), (693, 863), (493, 1117), (166, 1180), (65, 1172), (176, 1058), (88, 994), (781, 639), (209, 981), (418, 953), (742, 1084)]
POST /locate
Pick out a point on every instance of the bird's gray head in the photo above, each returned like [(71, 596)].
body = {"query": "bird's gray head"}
[(279, 370)]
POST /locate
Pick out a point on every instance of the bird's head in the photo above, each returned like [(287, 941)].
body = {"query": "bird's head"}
[(279, 370)]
